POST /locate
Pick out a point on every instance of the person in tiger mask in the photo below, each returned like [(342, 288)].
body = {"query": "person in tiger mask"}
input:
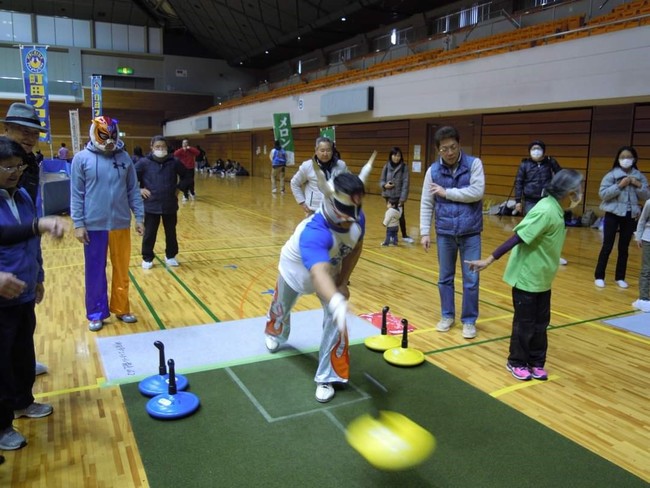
[(104, 191)]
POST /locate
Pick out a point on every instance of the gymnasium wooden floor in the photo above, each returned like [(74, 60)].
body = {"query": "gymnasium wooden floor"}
[(230, 240)]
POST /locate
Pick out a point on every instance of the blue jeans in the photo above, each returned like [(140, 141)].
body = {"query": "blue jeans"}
[(448, 249)]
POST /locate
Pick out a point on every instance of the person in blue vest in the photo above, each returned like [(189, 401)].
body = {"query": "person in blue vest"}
[(452, 193), (278, 158)]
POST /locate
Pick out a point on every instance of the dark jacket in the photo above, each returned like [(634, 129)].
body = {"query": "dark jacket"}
[(161, 179), (532, 177), (23, 258)]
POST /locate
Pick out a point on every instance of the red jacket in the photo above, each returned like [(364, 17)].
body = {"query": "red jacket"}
[(187, 156)]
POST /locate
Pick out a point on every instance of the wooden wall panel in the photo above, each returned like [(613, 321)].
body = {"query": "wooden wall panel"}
[(505, 140), (611, 129), (641, 136), (585, 139)]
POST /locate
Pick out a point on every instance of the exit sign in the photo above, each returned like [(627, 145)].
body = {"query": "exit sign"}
[(124, 71)]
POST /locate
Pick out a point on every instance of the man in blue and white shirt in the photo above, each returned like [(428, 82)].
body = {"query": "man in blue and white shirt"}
[(319, 258)]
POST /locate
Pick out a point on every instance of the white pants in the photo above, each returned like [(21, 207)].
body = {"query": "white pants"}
[(333, 356)]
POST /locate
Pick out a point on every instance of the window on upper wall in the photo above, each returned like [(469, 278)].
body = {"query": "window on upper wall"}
[(396, 37), (463, 18), (342, 55), (15, 27)]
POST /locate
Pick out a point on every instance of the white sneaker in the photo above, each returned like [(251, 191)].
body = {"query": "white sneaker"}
[(171, 262), (147, 264), (563, 262), (184, 199), (600, 283), (622, 284), (274, 190), (643, 305), (192, 196), (469, 331), (40, 368), (408, 239), (271, 343), (445, 324), (324, 392)]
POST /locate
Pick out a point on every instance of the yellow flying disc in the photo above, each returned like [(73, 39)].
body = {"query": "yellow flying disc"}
[(382, 342), (391, 442), (404, 356)]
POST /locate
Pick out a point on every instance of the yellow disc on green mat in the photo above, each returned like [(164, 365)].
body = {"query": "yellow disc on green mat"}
[(404, 356), (382, 342), (390, 442)]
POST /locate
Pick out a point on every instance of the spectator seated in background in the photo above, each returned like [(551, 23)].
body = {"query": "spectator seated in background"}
[(240, 170), (219, 168)]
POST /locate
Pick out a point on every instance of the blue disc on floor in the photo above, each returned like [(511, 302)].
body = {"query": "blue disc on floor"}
[(159, 383), (171, 407)]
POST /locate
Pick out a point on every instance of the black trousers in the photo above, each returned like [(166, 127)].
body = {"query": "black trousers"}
[(612, 224), (151, 224), (529, 343), (186, 184), (17, 359)]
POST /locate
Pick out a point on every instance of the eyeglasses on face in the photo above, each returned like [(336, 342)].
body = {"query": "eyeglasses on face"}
[(12, 169), (448, 149)]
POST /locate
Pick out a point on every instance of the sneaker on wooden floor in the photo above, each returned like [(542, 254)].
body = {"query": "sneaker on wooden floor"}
[(469, 331), (127, 318), (34, 411), (11, 439), (445, 324), (539, 373), (520, 372), (643, 305), (95, 325), (40, 368), (599, 283), (622, 284), (171, 262)]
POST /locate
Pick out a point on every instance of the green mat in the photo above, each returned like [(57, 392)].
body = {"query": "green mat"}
[(259, 425)]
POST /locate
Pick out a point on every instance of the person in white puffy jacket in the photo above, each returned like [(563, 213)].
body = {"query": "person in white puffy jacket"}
[(304, 184)]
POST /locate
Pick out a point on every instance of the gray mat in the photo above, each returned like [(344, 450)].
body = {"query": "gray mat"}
[(638, 323), (131, 357)]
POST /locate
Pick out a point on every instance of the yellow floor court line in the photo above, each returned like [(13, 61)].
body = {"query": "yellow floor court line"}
[(100, 383), (523, 384)]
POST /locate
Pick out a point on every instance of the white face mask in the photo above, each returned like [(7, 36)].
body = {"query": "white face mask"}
[(626, 163), (536, 153), (160, 153)]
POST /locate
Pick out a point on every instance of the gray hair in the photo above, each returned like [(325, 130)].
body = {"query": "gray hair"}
[(323, 139), (564, 182)]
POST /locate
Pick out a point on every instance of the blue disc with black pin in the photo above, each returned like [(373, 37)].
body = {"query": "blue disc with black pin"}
[(174, 404), (159, 383)]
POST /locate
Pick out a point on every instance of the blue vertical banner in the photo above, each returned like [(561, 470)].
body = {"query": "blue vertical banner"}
[(96, 95), (34, 66)]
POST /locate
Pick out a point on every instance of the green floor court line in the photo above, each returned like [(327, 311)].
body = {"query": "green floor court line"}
[(189, 291), (146, 301)]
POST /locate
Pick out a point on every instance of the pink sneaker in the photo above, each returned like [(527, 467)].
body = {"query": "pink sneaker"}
[(539, 373), (520, 372)]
